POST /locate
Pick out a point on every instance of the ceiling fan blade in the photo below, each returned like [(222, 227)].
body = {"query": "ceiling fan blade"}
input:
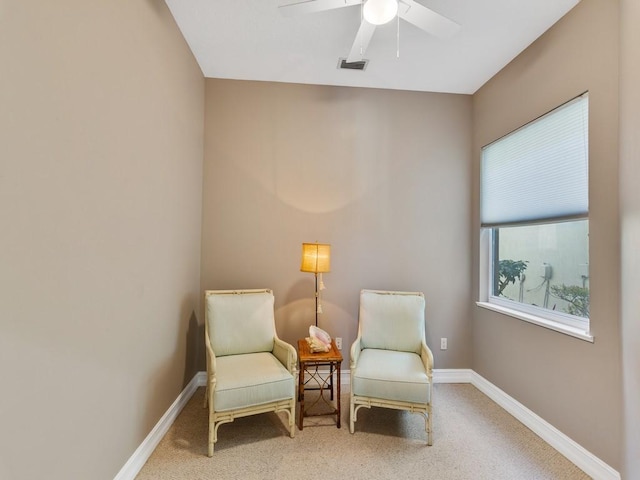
[(360, 44), (426, 19), (312, 6)]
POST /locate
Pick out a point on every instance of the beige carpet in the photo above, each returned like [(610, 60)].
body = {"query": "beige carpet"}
[(474, 438)]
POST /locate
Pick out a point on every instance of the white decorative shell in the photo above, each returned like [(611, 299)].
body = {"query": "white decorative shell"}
[(320, 334)]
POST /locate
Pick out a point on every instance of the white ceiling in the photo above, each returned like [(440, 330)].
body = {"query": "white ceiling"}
[(252, 40)]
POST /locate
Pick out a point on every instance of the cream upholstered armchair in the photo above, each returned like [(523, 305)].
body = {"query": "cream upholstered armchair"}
[(391, 365), (249, 369)]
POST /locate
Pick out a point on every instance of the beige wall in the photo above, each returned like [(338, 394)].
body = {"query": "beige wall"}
[(630, 215), (381, 175), (101, 147), (573, 384), (101, 134)]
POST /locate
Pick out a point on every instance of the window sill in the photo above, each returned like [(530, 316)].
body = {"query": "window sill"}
[(542, 322)]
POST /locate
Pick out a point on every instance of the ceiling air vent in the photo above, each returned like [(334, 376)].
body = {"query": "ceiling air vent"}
[(359, 65)]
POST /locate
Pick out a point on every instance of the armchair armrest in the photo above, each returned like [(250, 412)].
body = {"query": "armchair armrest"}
[(211, 372), (211, 360), (427, 359), (287, 355), (356, 348)]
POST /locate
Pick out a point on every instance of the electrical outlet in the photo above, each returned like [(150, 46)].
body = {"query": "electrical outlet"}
[(339, 343), (443, 344)]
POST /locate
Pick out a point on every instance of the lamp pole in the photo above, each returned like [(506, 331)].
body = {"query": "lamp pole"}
[(316, 275)]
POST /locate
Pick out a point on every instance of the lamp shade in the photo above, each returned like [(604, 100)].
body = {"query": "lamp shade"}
[(316, 258), (379, 12)]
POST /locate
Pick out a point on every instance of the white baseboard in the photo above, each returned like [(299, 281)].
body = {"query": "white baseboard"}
[(452, 375), (148, 445), (579, 456)]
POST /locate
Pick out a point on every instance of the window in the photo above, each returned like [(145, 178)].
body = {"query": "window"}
[(535, 221)]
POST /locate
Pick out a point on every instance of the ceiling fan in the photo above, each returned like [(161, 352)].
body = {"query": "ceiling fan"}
[(379, 12)]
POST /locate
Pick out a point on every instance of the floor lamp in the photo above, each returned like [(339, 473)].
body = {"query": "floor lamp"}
[(316, 259)]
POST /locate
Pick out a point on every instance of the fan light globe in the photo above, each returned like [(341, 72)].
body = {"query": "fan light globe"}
[(379, 12)]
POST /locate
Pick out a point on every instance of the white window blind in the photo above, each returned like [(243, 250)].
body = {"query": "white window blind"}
[(539, 172)]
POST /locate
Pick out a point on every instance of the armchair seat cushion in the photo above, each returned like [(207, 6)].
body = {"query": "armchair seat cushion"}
[(249, 380), (391, 375)]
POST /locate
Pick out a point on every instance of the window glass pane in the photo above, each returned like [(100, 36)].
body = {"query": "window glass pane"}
[(544, 265)]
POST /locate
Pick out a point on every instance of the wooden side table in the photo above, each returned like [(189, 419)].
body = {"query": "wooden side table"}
[(309, 366)]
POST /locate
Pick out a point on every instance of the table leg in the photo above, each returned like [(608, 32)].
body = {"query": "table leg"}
[(301, 394), (331, 380), (338, 399)]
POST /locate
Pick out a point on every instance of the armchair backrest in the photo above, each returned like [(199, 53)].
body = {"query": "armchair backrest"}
[(240, 321), (392, 320)]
